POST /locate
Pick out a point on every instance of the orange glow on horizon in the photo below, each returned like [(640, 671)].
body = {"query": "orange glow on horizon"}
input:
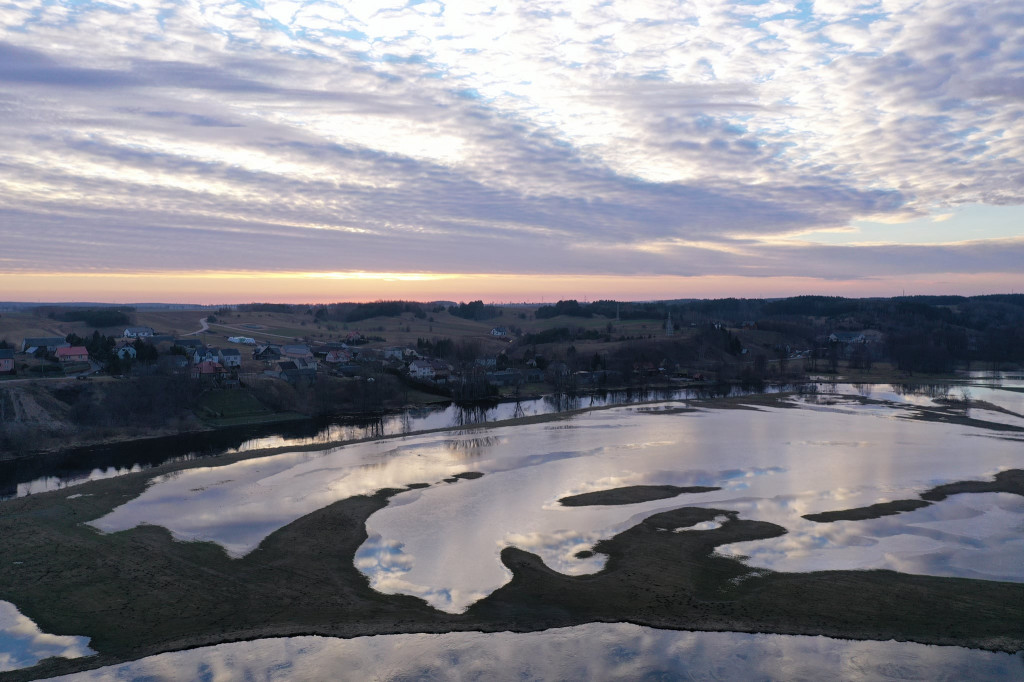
[(227, 287)]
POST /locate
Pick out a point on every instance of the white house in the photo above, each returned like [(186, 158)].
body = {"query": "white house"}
[(125, 353), (206, 355), (338, 356), (421, 369), (499, 332), (230, 357), (430, 369), (138, 332)]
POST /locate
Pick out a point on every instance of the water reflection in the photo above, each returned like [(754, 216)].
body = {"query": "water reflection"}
[(23, 644), (59, 470), (966, 536), (597, 651), (773, 464)]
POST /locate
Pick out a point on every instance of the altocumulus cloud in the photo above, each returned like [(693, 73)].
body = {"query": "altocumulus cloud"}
[(617, 137)]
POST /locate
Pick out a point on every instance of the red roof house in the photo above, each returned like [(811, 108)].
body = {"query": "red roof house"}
[(73, 354)]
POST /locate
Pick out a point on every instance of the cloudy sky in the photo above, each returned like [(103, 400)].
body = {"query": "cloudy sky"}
[(288, 150)]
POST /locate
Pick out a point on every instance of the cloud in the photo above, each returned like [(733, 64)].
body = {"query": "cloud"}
[(615, 137)]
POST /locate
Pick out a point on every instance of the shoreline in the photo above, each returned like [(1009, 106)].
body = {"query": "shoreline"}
[(80, 441)]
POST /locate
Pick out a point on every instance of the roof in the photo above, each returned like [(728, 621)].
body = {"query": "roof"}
[(209, 367), (71, 350), (44, 341), (139, 329), (230, 351), (6, 354)]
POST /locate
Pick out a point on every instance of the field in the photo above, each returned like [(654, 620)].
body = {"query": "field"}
[(280, 328)]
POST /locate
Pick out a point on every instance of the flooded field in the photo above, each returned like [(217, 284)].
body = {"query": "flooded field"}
[(588, 652), (460, 498), (774, 463)]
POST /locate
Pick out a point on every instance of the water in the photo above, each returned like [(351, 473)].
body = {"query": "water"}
[(595, 651), (60, 470), (23, 644), (64, 469), (772, 464), (827, 451)]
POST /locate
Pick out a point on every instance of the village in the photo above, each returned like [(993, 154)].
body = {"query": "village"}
[(494, 358), (77, 375)]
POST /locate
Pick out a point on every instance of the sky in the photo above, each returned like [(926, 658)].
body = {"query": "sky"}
[(281, 150)]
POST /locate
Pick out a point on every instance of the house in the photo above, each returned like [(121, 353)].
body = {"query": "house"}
[(289, 371), (138, 332), (207, 371), (206, 355), (125, 353), (499, 332), (297, 350), (48, 343), (394, 353), (505, 377), (338, 356), (847, 337), (73, 354), (6, 361), (430, 369), (302, 363), (421, 369), (230, 357), (267, 353)]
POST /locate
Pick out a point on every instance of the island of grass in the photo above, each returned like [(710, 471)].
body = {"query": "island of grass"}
[(632, 494), (872, 512), (1010, 481)]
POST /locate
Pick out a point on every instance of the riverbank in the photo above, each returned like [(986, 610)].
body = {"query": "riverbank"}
[(39, 418)]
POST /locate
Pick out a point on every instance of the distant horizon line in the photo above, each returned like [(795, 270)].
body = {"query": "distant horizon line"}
[(5, 305)]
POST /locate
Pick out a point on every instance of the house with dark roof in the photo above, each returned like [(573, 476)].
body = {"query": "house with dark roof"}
[(48, 343), (188, 344), (6, 361), (290, 371), (230, 357), (203, 354), (297, 350), (267, 353), (138, 332)]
